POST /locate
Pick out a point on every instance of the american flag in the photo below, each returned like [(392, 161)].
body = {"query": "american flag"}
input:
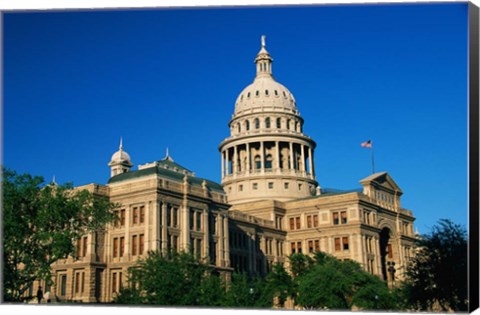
[(366, 144)]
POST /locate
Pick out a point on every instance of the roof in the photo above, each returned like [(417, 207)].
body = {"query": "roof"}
[(325, 192), (168, 169), (382, 179)]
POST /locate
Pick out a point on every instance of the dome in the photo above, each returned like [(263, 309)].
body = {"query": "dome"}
[(120, 156), (265, 93)]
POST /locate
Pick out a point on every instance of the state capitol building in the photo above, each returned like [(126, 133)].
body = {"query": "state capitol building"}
[(267, 207)]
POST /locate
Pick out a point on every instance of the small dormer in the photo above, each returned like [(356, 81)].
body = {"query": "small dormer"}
[(383, 189)]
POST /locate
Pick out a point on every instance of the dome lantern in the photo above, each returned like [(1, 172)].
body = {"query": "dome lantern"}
[(120, 161)]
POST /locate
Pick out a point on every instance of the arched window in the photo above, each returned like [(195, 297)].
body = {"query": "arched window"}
[(258, 162), (239, 127), (267, 122), (279, 123), (257, 123), (247, 125), (266, 92), (248, 94), (257, 93), (288, 124), (276, 93), (268, 162)]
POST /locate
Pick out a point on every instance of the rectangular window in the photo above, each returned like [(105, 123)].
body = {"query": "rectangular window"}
[(142, 214), (293, 247), (192, 219), (255, 186), (115, 247), (63, 285), (343, 215), (199, 221), (114, 282), (122, 217), (345, 243), (134, 245), (337, 244), (270, 185), (240, 188), (299, 247), (79, 247), (285, 185), (297, 223), (84, 249), (77, 282), (122, 246), (141, 246), (335, 218), (292, 224), (310, 246), (116, 213), (135, 216), (315, 220), (175, 217), (317, 245), (309, 221)]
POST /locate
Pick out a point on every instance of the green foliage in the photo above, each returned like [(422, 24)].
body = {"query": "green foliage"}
[(172, 279), (328, 283), (40, 223), (246, 292), (437, 277), (280, 284)]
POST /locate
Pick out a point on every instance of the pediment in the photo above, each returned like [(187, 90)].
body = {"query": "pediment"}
[(382, 180)]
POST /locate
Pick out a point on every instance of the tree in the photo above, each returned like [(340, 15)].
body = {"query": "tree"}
[(40, 224), (437, 275), (172, 279), (244, 291), (328, 283), (280, 284)]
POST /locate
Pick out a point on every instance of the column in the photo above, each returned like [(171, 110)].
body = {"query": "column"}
[(302, 147), (164, 227), (128, 214), (206, 243), (226, 247), (226, 162), (147, 245), (275, 249), (262, 157), (250, 253), (292, 162), (248, 158), (235, 161), (378, 259), (184, 228), (310, 161), (220, 260), (223, 164), (277, 158)]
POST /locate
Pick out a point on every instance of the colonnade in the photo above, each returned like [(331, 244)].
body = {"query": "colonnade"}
[(267, 156)]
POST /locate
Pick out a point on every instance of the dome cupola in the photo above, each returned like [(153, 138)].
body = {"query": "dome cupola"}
[(120, 161), (267, 155), (264, 93)]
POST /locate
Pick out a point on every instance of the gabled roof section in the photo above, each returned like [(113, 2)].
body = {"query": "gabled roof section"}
[(382, 180)]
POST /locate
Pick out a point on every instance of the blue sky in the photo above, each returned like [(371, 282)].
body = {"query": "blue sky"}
[(74, 82)]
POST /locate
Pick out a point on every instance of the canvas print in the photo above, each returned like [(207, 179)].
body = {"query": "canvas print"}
[(302, 157)]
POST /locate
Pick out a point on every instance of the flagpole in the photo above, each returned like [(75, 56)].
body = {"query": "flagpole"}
[(373, 162)]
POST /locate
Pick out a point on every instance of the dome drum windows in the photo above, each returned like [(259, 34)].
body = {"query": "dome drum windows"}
[(267, 122)]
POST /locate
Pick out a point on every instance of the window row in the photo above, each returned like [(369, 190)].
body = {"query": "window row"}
[(265, 92), (340, 244), (267, 123), (137, 216), (338, 217), (137, 245)]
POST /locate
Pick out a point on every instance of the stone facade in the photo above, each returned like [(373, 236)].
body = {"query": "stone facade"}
[(268, 206)]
